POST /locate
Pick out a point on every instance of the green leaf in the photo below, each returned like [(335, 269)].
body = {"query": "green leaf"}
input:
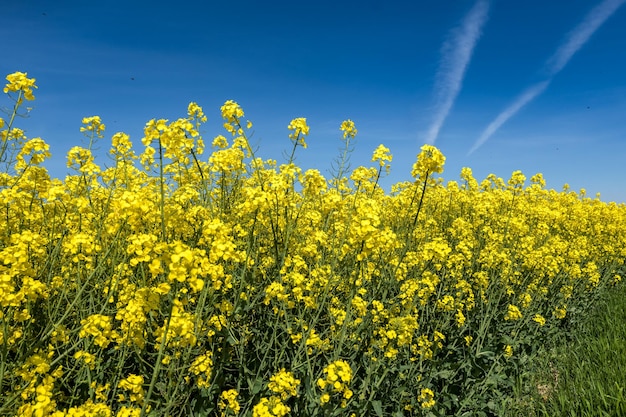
[(255, 386), (445, 374), (378, 408), (486, 353)]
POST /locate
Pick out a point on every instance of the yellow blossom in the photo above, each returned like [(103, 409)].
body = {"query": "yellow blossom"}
[(19, 81), (133, 384), (228, 401), (299, 130), (513, 313), (426, 398), (349, 129), (284, 384), (539, 319)]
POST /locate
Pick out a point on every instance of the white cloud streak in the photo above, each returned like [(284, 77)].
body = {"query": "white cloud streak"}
[(581, 34), (456, 54), (574, 41), (509, 112)]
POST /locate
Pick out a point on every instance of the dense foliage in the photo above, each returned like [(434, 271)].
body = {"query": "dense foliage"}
[(173, 283)]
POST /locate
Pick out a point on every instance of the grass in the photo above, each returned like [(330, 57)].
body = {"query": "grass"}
[(583, 374)]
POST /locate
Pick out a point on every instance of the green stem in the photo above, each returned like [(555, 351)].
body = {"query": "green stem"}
[(162, 191), (412, 228), (157, 365), (5, 142)]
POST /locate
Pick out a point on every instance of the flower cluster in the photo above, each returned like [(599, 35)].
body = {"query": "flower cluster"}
[(299, 130), (170, 282), (19, 82), (337, 377), (133, 385), (201, 367), (228, 402), (284, 384)]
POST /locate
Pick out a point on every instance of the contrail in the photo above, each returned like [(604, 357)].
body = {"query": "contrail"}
[(581, 34), (456, 54), (521, 101), (574, 41)]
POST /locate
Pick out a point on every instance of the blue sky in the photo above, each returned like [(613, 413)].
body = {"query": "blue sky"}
[(497, 85)]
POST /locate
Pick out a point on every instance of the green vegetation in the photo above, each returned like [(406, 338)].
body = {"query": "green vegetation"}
[(584, 373), (175, 283)]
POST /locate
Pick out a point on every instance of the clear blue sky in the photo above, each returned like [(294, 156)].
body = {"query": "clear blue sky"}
[(498, 86)]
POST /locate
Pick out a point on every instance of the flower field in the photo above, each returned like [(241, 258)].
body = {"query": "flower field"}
[(178, 281)]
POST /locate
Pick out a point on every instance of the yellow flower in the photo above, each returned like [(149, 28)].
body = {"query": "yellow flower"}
[(517, 179), (94, 125), (128, 412), (300, 130), (560, 312), (100, 391), (382, 155), (513, 313), (228, 401), (460, 318), (525, 300), (349, 129), (134, 385), (426, 398), (429, 161), (89, 408), (539, 319), (338, 377), (19, 81), (232, 112), (508, 351), (270, 407), (82, 160), (100, 327), (87, 358), (220, 142), (284, 384), (202, 368), (36, 149), (194, 111), (446, 303)]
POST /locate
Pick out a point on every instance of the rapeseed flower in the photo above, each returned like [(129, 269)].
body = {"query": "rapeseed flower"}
[(426, 398), (560, 312), (270, 407), (508, 351), (284, 384), (349, 129), (33, 153), (538, 318), (429, 161), (133, 385), (169, 255), (228, 402), (338, 375), (94, 126), (382, 155), (19, 82), (86, 358), (100, 327), (202, 367), (87, 409), (299, 130), (513, 313)]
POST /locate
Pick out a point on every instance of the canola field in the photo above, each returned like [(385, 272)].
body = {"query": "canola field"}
[(178, 280)]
